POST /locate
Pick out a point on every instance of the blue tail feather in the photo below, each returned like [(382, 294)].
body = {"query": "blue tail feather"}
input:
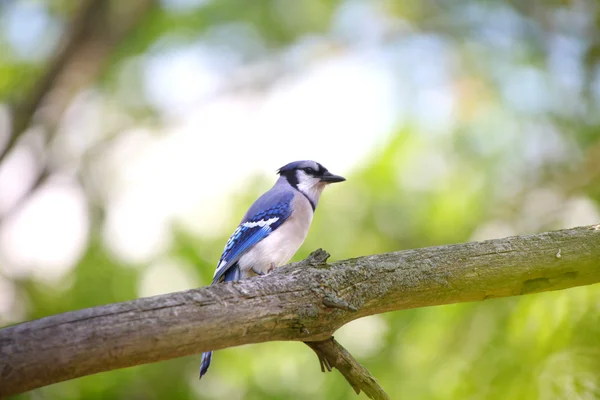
[(232, 274), (206, 357)]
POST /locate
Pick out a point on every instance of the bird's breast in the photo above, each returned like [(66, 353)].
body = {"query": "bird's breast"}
[(280, 246)]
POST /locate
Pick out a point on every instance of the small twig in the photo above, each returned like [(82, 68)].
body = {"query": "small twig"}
[(335, 302), (332, 355), (324, 363), (317, 257)]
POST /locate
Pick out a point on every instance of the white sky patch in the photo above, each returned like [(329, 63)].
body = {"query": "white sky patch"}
[(7, 300), (31, 32), (167, 276), (492, 230), (579, 211), (135, 231), (343, 103), (48, 234), (17, 173), (435, 108), (179, 79), (364, 336)]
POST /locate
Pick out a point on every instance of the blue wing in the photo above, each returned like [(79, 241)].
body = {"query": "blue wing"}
[(266, 214)]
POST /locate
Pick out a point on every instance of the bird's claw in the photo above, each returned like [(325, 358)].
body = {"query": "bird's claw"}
[(260, 273)]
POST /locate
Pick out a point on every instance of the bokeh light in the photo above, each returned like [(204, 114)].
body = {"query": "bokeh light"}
[(134, 136)]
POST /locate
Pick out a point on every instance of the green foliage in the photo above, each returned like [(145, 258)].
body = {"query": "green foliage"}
[(504, 165)]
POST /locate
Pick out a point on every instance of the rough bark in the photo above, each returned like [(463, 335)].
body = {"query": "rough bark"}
[(306, 301)]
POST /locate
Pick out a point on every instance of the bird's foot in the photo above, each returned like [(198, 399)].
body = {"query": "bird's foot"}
[(261, 273)]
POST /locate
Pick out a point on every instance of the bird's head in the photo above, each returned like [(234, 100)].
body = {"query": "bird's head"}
[(309, 177)]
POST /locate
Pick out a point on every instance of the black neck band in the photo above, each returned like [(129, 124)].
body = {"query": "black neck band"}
[(308, 198)]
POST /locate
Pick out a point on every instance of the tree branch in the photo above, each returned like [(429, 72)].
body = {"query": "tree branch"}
[(289, 305), (75, 34), (331, 354)]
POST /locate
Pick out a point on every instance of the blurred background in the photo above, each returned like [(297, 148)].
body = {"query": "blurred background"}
[(134, 135)]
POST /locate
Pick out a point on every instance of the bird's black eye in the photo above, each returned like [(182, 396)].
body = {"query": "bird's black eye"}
[(309, 170)]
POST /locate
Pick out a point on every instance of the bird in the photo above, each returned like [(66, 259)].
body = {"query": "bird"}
[(274, 227)]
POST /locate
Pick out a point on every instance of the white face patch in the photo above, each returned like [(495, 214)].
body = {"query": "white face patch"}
[(306, 181), (309, 185), (261, 223)]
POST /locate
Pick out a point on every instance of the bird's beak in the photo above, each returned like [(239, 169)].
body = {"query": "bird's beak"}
[(328, 177)]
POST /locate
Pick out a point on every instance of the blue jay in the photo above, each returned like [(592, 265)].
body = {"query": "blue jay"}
[(274, 226)]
